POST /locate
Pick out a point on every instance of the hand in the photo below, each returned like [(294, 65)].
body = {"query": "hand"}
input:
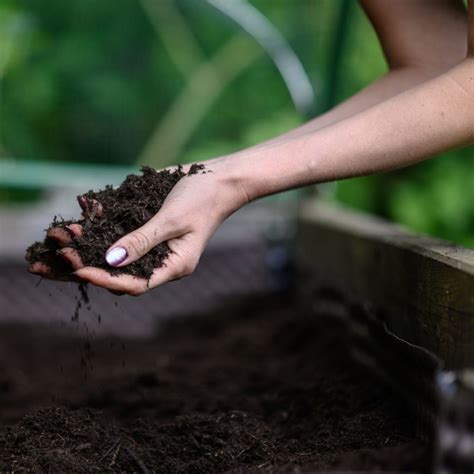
[(62, 236), (190, 215)]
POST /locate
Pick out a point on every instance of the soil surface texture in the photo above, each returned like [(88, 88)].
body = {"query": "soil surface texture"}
[(110, 214), (259, 386)]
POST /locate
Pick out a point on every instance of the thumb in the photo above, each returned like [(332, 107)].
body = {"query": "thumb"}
[(139, 242)]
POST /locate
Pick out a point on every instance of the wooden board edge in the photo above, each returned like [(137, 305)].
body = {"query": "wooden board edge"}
[(423, 286)]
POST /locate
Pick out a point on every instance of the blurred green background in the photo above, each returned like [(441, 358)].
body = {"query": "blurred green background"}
[(158, 82)]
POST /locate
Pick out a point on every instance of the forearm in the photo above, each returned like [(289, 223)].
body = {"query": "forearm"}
[(391, 84), (420, 40), (403, 130)]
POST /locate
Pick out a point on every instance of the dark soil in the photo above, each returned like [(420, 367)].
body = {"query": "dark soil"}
[(122, 211), (257, 387)]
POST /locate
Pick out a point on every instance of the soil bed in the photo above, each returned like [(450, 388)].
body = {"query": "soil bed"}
[(259, 386)]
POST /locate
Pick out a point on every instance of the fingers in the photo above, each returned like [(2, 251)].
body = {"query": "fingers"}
[(181, 262), (75, 229), (128, 284), (168, 224), (72, 257), (90, 207), (40, 268), (43, 270), (174, 268), (117, 284), (141, 241), (64, 235)]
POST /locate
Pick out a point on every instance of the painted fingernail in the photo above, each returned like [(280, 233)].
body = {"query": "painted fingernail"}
[(116, 256)]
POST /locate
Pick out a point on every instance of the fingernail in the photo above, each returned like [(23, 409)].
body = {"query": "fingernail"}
[(89, 206), (69, 231), (116, 256), (84, 203), (32, 268)]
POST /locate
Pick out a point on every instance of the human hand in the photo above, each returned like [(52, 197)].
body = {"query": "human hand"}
[(191, 213), (49, 259), (55, 258)]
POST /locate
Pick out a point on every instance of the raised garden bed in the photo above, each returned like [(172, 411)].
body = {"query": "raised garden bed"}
[(260, 384)]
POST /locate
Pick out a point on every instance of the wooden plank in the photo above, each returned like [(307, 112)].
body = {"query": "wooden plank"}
[(423, 286)]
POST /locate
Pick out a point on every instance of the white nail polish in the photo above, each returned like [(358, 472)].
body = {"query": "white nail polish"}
[(116, 256)]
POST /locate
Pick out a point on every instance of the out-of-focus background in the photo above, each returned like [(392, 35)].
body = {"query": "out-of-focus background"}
[(89, 90)]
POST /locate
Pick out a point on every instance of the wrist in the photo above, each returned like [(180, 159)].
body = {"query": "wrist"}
[(257, 173), (229, 179)]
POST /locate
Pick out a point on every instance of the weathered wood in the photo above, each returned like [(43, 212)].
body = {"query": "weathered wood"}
[(424, 286)]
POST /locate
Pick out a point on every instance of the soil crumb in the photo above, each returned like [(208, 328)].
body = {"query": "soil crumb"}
[(258, 386), (110, 214)]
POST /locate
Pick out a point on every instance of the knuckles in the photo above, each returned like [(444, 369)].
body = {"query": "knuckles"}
[(139, 243), (186, 267), (174, 223), (190, 266)]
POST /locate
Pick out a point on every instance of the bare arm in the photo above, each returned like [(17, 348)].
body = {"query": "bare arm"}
[(386, 127), (433, 117), (420, 39)]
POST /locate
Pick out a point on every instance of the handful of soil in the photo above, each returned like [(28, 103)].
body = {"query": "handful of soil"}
[(110, 214)]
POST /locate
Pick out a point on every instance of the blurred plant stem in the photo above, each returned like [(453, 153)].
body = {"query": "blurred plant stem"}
[(177, 38), (206, 80), (6, 52), (203, 88)]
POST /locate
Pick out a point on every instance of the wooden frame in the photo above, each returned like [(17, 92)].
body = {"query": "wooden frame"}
[(424, 287)]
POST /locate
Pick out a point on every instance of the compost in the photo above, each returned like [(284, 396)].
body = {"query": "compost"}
[(110, 214), (262, 385)]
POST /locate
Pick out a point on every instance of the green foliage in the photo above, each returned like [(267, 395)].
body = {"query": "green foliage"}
[(89, 81), (441, 200), (20, 196), (435, 197)]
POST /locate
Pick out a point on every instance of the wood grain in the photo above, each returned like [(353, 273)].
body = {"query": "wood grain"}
[(424, 287)]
